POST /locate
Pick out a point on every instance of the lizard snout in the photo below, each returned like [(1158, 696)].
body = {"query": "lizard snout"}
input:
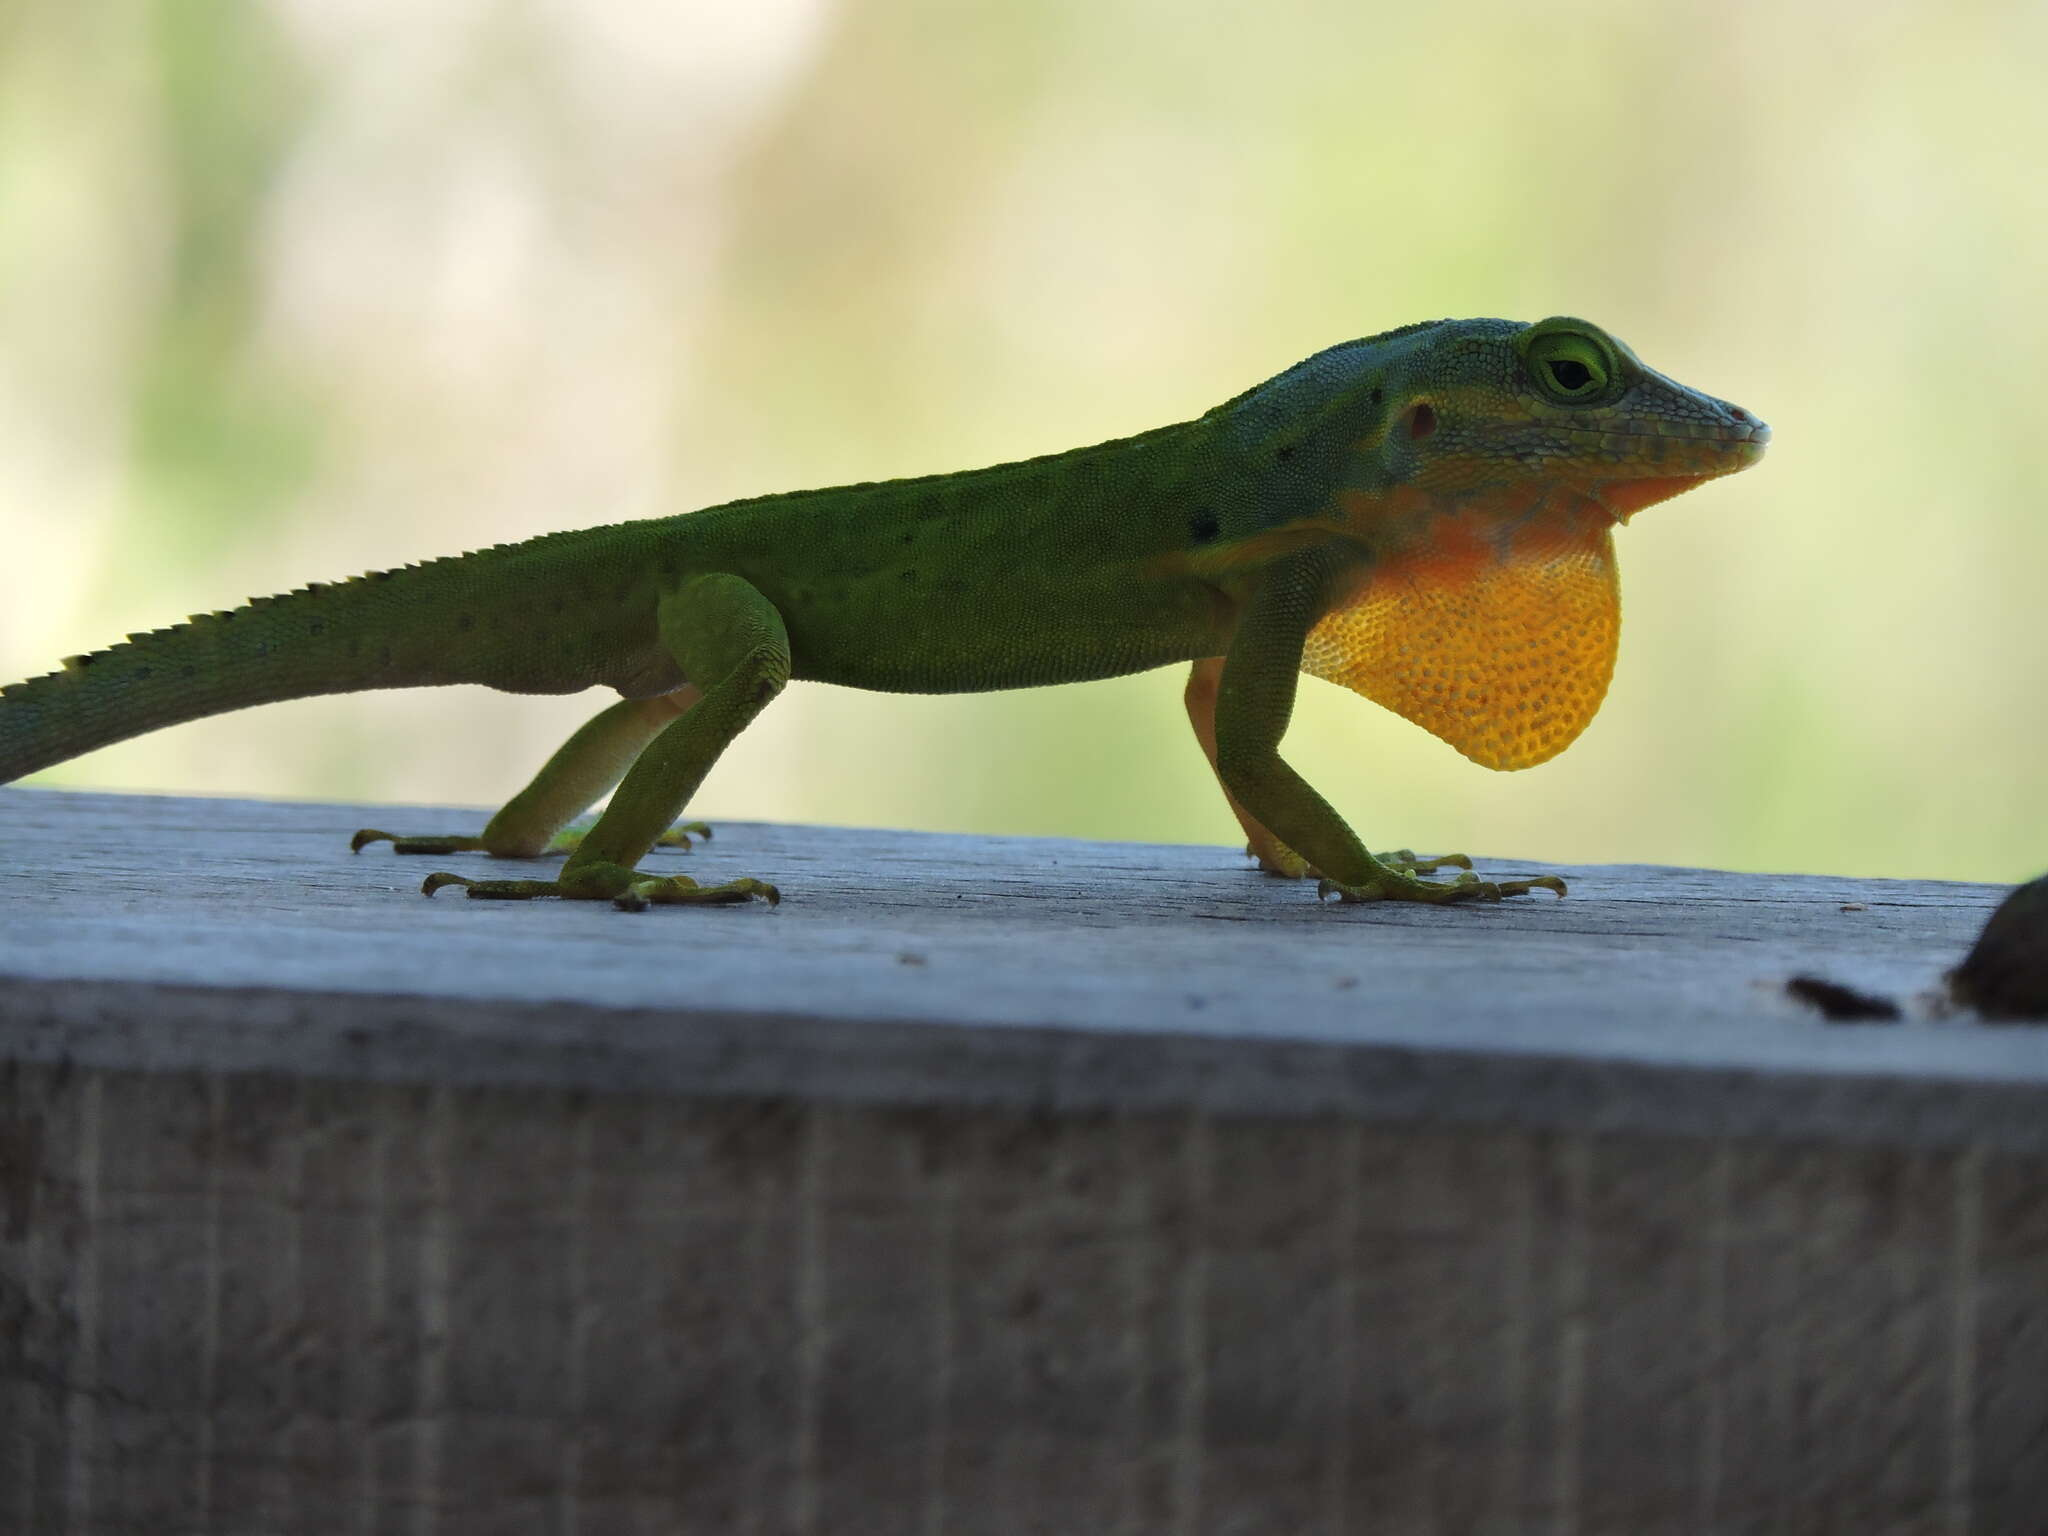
[(1748, 427)]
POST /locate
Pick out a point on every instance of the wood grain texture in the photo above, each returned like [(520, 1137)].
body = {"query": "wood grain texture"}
[(250, 1303), (914, 968), (990, 1186)]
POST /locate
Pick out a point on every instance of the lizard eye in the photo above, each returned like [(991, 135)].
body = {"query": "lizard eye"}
[(1568, 365)]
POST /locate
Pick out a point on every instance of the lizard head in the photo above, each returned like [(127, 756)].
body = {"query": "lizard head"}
[(1490, 463), (1488, 411)]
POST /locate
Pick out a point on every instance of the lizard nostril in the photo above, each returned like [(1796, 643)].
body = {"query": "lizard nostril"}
[(1742, 417), (1421, 421)]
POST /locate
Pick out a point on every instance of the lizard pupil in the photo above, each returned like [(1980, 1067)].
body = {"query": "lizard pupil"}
[(1570, 374)]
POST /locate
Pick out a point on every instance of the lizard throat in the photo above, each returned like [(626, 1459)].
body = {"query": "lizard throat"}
[(1622, 499)]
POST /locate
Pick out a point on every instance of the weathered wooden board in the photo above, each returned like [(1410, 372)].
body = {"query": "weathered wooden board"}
[(992, 1186), (931, 969)]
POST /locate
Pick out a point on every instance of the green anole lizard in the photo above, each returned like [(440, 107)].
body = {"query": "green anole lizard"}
[(1422, 515)]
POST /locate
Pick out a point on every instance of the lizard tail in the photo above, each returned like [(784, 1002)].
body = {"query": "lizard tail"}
[(463, 620)]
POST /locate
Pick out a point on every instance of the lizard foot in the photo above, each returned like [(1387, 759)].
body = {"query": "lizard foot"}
[(681, 835), (678, 836), (1405, 861), (627, 889), (1278, 859), (1401, 884)]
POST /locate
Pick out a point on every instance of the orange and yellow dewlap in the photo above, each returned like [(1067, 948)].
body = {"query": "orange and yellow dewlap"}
[(1499, 641)]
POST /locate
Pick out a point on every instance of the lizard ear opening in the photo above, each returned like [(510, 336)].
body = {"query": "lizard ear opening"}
[(1502, 650)]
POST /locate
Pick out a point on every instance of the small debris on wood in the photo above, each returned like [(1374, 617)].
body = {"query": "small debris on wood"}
[(1843, 1005)]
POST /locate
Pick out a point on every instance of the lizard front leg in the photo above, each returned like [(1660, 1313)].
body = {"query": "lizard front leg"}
[(717, 628), (1252, 704), (583, 768), (1274, 856)]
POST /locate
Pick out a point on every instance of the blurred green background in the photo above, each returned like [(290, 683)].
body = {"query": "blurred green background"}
[(293, 290)]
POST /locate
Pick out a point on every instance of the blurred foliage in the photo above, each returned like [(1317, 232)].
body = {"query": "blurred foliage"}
[(297, 289)]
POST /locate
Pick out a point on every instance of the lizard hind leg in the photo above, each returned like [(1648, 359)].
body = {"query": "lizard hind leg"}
[(716, 627), (582, 769)]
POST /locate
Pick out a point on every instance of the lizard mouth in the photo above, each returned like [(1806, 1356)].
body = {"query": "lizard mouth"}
[(1725, 451), (1717, 451), (1660, 441), (1748, 435)]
